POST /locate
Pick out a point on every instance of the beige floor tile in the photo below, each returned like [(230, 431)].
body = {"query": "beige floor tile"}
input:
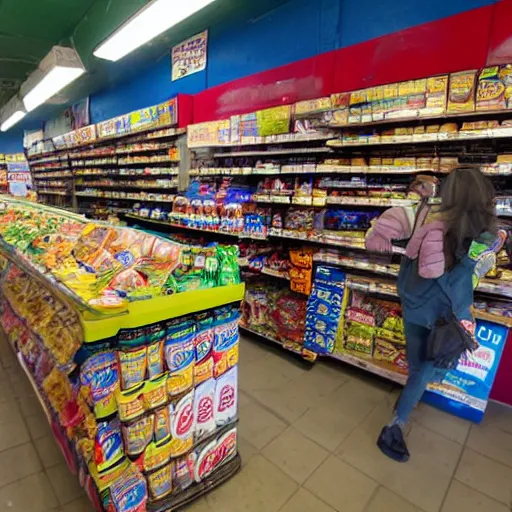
[(17, 463), (13, 432), (260, 486), (259, 426), (48, 451), (285, 402), (244, 399), (64, 483), (200, 505), (80, 505), (423, 480), (29, 406), (461, 498), (341, 486), (442, 423), (492, 441), (21, 386), (9, 412), (498, 416), (31, 494), (246, 450), (38, 426), (251, 350), (485, 475), (304, 501), (6, 391), (387, 501), (260, 375), (294, 454), (337, 414)]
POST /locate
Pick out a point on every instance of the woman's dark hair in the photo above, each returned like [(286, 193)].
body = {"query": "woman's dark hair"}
[(468, 209)]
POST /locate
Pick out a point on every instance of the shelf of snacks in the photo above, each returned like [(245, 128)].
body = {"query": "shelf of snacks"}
[(155, 198), (128, 172), (131, 344)]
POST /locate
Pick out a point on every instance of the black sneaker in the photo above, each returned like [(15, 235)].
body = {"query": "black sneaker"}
[(391, 443)]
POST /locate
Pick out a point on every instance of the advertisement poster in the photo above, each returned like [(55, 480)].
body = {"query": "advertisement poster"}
[(18, 174), (465, 390), (274, 121), (190, 56)]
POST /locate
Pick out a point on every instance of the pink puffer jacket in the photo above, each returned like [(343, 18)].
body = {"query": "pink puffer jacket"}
[(426, 244)]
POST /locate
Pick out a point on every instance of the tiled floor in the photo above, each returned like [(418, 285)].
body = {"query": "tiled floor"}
[(307, 439)]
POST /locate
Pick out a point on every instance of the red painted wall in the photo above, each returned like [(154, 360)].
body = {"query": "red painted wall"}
[(464, 41)]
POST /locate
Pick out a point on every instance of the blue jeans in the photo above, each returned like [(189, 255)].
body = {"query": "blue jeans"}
[(421, 372)]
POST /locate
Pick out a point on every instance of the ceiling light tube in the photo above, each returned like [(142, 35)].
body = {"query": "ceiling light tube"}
[(12, 120), (56, 71), (151, 21), (11, 113)]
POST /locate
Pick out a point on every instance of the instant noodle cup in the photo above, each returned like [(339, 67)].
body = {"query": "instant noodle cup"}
[(180, 358), (182, 424), (137, 435), (160, 482), (155, 392), (130, 404), (132, 364)]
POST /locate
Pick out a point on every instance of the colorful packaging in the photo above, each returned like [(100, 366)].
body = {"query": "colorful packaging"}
[(204, 409), (183, 472), (156, 456), (179, 353), (137, 435), (160, 482), (108, 447), (493, 88), (225, 342), (155, 358), (155, 392), (182, 424), (211, 456), (162, 427), (130, 404), (226, 397), (100, 373), (129, 492), (203, 343), (391, 352), (132, 364), (461, 92)]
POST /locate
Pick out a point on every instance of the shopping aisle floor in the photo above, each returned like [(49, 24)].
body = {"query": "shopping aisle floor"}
[(307, 440)]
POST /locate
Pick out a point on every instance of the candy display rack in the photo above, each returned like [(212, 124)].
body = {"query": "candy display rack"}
[(137, 379)]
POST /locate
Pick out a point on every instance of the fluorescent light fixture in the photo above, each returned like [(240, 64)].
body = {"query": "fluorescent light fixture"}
[(12, 112), (9, 123), (151, 21), (57, 70)]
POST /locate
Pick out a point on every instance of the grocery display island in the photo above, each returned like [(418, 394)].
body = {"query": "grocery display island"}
[(131, 344)]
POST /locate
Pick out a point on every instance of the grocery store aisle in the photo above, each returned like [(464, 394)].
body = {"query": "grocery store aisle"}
[(307, 443)]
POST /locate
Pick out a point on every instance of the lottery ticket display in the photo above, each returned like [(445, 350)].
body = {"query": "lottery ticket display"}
[(142, 398)]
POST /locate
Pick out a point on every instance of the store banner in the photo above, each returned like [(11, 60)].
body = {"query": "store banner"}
[(465, 391), (190, 56)]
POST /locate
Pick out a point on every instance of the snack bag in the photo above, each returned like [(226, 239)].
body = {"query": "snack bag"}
[(180, 357), (137, 435), (203, 343), (225, 340), (129, 492), (226, 397), (491, 90), (100, 374), (132, 364), (182, 424), (160, 482), (155, 392), (130, 404), (183, 472), (461, 92), (156, 455), (108, 447), (162, 431), (204, 409)]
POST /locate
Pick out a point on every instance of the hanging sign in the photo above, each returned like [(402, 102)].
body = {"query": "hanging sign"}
[(190, 56)]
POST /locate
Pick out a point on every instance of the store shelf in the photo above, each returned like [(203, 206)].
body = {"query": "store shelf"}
[(145, 312), (369, 201), (53, 192), (82, 194), (370, 367), (274, 152), (275, 273), (126, 162), (286, 346), (122, 186)]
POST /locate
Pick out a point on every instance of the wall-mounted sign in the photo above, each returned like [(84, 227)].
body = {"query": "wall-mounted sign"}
[(190, 56)]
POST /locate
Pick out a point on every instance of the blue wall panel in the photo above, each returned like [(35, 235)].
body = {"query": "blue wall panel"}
[(248, 42)]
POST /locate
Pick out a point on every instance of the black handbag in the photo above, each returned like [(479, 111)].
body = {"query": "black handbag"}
[(446, 343)]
